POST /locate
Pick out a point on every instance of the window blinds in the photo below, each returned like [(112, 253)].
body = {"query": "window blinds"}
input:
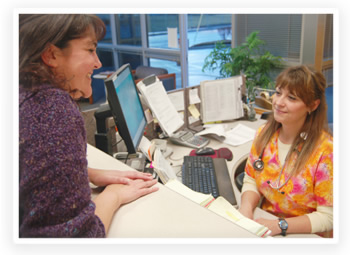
[(281, 32)]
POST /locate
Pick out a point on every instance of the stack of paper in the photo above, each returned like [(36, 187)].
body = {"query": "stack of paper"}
[(238, 135), (161, 106), (197, 197), (220, 206), (162, 167)]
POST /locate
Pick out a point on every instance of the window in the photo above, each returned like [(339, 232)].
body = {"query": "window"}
[(107, 21), (281, 32), (157, 29), (142, 39), (106, 58), (128, 28), (171, 66), (204, 30)]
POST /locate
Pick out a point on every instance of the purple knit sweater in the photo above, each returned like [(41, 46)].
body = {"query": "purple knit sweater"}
[(54, 192)]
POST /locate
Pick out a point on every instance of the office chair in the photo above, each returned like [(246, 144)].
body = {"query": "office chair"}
[(169, 80), (239, 172), (144, 71)]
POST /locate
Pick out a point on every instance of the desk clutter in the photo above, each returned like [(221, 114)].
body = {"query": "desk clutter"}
[(206, 181), (207, 174), (178, 115), (190, 108)]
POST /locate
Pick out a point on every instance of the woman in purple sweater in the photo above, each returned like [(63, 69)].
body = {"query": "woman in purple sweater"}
[(57, 56)]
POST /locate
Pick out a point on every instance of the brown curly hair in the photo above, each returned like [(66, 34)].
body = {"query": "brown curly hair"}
[(38, 31)]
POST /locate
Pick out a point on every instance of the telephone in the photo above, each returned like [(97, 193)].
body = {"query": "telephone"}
[(189, 139)]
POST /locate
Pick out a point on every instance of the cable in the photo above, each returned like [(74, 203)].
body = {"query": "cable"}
[(113, 145), (126, 159), (175, 159), (179, 173)]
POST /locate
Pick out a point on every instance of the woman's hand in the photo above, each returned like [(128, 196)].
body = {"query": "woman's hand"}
[(115, 195), (103, 178), (296, 225), (132, 191)]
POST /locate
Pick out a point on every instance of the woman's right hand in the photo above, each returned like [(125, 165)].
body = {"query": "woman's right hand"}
[(115, 195), (127, 193), (102, 178)]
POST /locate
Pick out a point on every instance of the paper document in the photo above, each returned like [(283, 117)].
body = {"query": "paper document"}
[(163, 167), (217, 131), (144, 146), (197, 197), (223, 208), (192, 120), (177, 98), (221, 99), (194, 111), (238, 135), (172, 38), (193, 96), (161, 106), (219, 206)]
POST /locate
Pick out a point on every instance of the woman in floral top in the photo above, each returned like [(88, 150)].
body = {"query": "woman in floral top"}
[(295, 179)]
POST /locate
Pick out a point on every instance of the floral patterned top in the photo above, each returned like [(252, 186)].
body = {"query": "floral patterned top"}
[(302, 193)]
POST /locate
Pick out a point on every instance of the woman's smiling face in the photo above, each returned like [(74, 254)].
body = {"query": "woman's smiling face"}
[(288, 108), (76, 64)]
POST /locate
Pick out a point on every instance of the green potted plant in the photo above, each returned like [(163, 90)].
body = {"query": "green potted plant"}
[(249, 58)]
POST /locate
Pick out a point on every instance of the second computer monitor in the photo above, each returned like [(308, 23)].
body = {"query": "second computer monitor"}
[(126, 107)]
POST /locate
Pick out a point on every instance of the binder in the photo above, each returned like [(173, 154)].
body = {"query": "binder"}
[(197, 126), (222, 99)]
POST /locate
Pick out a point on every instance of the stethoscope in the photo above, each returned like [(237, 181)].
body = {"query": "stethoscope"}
[(258, 165)]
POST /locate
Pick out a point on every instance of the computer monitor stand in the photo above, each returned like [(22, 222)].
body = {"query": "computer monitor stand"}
[(136, 161)]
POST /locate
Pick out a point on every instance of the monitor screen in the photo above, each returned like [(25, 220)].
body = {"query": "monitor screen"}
[(126, 107)]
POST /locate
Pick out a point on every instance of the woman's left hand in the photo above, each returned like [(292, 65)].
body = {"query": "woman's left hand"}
[(102, 178), (271, 225)]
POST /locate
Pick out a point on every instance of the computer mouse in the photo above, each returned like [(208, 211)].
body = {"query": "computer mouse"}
[(205, 151)]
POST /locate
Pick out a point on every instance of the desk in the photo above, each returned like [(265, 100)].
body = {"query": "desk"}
[(165, 213)]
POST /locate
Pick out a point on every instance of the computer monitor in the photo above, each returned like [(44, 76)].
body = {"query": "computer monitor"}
[(126, 107)]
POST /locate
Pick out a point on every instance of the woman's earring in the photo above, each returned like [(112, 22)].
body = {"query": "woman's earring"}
[(303, 135)]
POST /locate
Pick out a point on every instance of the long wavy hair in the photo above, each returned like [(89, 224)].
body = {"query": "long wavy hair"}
[(309, 85), (38, 31)]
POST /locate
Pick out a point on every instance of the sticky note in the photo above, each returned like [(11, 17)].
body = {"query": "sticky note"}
[(194, 111)]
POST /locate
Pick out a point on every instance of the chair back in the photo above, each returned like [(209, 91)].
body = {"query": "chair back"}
[(144, 71)]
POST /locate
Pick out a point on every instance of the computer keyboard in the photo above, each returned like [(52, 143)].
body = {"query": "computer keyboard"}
[(198, 174), (208, 176)]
